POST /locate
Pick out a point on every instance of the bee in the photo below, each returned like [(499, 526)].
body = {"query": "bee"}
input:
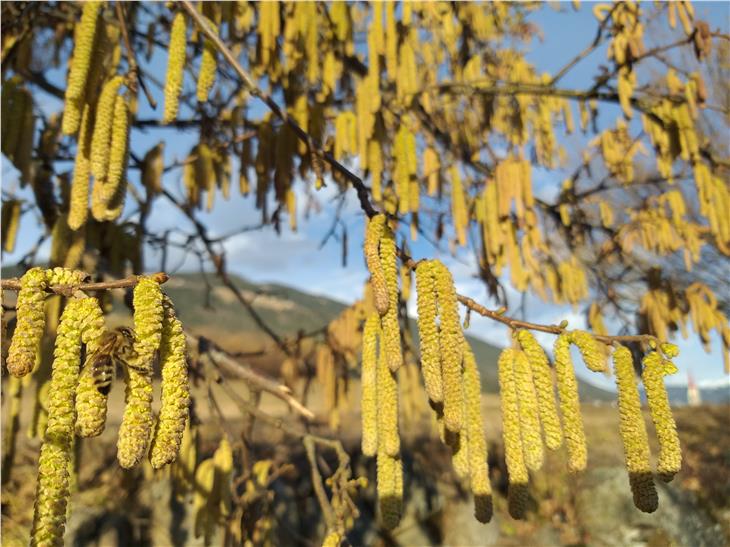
[(116, 348)]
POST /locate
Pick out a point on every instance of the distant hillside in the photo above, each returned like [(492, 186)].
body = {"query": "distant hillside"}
[(212, 308)]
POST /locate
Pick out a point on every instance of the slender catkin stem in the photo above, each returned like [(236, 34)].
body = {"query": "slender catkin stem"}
[(514, 456), (369, 386), (175, 390), (373, 235), (31, 320), (450, 336), (52, 489), (134, 432), (428, 332), (575, 438), (387, 386), (542, 377), (175, 68), (478, 467), (633, 432), (389, 321), (670, 453), (529, 412)]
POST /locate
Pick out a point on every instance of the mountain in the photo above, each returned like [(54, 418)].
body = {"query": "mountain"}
[(207, 307)]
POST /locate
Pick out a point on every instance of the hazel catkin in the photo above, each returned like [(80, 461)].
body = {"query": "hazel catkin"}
[(543, 379), (428, 331), (373, 235), (175, 68), (90, 403), (11, 210), (369, 386), (477, 445), (450, 342), (670, 454), (633, 432), (79, 200), (387, 387), (52, 489), (529, 412), (590, 349), (575, 439), (389, 487), (113, 187), (84, 37), (103, 123), (206, 77), (175, 390), (389, 321), (513, 453), (134, 432), (29, 324)]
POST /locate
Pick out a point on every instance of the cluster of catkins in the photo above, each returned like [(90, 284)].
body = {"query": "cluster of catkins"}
[(76, 406), (530, 412), (99, 116)]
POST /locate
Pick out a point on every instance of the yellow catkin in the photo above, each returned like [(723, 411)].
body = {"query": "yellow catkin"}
[(459, 444), (102, 134), (542, 377), (333, 539), (516, 468), (52, 489), (387, 388), (175, 68), (450, 342), (118, 152), (389, 321), (590, 349), (65, 276), (670, 453), (91, 405), (390, 489), (10, 222), (206, 77), (575, 439), (369, 386), (373, 235), (134, 432), (477, 445), (175, 390), (428, 331), (529, 412), (84, 36), (633, 432), (29, 324), (79, 200)]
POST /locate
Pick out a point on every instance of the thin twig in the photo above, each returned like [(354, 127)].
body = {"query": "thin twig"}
[(131, 58), (236, 368)]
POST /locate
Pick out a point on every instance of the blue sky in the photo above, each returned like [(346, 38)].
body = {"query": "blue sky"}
[(295, 258)]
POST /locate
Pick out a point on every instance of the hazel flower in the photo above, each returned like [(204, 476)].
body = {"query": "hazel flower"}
[(175, 390), (369, 386), (175, 68), (373, 235), (633, 432), (389, 321), (428, 332), (30, 322), (575, 438), (529, 413)]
